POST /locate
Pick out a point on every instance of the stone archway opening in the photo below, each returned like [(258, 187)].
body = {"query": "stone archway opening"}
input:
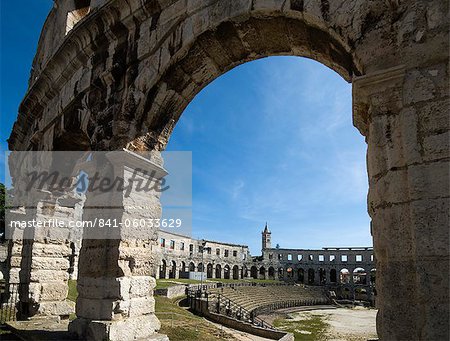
[(209, 270), (311, 276), (344, 276), (226, 272), (359, 276), (163, 269), (301, 275), (218, 271), (152, 68), (333, 276), (235, 272)]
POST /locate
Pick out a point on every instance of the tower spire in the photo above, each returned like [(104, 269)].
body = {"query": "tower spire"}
[(266, 238), (266, 229)]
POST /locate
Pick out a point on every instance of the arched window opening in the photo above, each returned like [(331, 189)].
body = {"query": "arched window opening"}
[(226, 272), (182, 271), (289, 273), (235, 272), (359, 276), (163, 269), (301, 275), (344, 276), (209, 271), (373, 276), (322, 276), (311, 275), (333, 276), (218, 271), (262, 273), (173, 270)]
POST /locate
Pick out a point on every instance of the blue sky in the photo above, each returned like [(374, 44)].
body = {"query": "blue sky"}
[(271, 140), (20, 26)]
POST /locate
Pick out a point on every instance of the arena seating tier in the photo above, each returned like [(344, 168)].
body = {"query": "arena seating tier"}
[(252, 298)]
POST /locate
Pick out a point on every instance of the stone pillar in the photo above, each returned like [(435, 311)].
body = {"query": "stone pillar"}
[(115, 286), (176, 275), (40, 253), (39, 263), (404, 115)]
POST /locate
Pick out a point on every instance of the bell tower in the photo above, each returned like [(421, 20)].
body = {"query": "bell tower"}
[(266, 238)]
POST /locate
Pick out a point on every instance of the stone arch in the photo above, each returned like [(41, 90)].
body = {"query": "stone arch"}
[(344, 276), (163, 269), (226, 272), (192, 267), (218, 271), (262, 273), (244, 271), (254, 272), (209, 270), (152, 83), (235, 272), (333, 276), (311, 276), (359, 276), (301, 275), (322, 276), (289, 272), (200, 267), (373, 276), (280, 273), (173, 269), (182, 270), (198, 66)]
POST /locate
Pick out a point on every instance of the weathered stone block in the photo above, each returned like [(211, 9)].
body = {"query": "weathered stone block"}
[(48, 263), (54, 291), (91, 308), (61, 308)]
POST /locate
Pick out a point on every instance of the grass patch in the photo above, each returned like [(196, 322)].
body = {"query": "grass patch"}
[(312, 328), (181, 325), (73, 292)]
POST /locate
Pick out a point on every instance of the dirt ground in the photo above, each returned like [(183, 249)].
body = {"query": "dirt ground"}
[(357, 324)]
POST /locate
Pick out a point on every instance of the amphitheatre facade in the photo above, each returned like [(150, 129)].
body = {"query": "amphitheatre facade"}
[(114, 74), (332, 267)]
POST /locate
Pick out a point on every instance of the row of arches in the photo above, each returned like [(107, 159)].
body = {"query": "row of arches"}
[(311, 276), (316, 276), (170, 269)]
